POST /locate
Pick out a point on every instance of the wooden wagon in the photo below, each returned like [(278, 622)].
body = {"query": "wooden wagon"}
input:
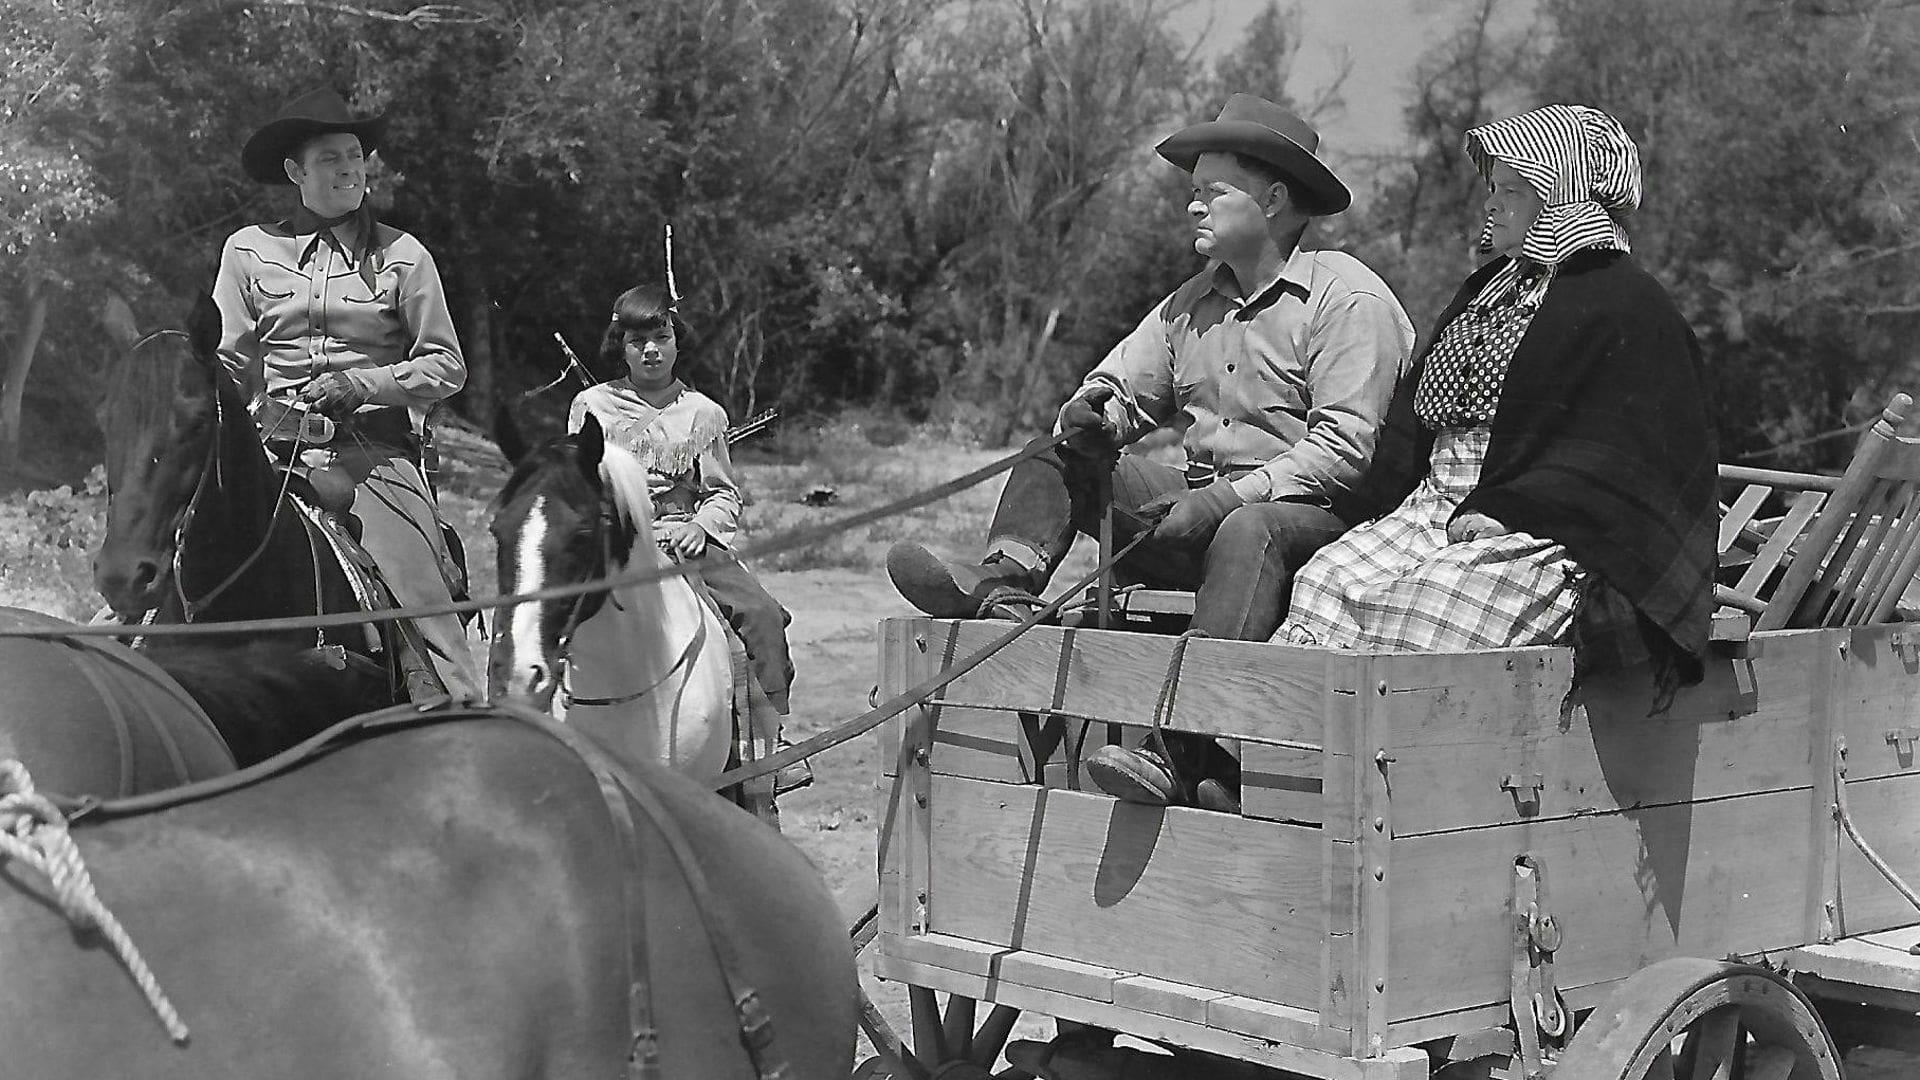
[(1453, 861)]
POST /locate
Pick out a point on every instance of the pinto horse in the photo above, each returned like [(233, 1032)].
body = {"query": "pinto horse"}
[(200, 525), (644, 669), (481, 897)]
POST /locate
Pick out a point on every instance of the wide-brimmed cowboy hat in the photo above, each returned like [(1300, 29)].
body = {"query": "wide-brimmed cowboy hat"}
[(1266, 132), (318, 112)]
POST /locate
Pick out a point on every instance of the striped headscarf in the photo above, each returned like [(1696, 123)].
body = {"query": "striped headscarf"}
[(1584, 166)]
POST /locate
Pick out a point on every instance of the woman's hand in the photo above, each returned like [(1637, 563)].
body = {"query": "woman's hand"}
[(1471, 526), (682, 538)]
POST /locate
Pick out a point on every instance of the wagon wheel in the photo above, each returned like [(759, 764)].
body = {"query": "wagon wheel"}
[(947, 1045), (1691, 1019)]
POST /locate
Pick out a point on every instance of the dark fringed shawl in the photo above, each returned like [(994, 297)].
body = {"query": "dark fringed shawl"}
[(1603, 442)]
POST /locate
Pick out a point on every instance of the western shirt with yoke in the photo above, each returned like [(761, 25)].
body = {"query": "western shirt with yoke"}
[(1283, 389), (386, 325)]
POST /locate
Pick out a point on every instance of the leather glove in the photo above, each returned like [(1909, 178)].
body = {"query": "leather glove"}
[(1190, 517), (335, 393), (1086, 419)]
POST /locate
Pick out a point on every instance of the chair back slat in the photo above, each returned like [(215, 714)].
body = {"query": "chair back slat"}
[(1859, 546), (1775, 550), (1890, 591), (1737, 520)]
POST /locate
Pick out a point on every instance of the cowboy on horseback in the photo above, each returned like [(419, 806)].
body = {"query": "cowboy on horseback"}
[(337, 327)]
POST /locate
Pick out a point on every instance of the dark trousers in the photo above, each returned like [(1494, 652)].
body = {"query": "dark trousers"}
[(1241, 575), (759, 620)]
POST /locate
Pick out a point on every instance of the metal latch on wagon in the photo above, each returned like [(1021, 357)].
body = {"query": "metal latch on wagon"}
[(1525, 787)]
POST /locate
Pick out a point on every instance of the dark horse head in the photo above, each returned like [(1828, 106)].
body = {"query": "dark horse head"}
[(553, 524), (199, 524), (160, 415)]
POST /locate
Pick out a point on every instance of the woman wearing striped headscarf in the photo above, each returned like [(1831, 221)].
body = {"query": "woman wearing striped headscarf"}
[(1548, 464)]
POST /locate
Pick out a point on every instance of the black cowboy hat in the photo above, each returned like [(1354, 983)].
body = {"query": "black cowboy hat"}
[(318, 112), (1262, 130)]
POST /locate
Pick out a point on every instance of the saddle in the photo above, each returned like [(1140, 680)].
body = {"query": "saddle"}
[(398, 641)]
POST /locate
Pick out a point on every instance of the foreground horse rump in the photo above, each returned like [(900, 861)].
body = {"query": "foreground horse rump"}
[(443, 901)]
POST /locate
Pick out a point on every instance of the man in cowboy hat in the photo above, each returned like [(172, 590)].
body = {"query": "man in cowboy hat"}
[(330, 312), (1282, 362)]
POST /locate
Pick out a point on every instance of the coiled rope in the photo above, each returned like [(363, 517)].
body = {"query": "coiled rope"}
[(33, 832)]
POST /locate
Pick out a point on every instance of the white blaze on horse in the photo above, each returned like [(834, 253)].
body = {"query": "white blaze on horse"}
[(645, 669)]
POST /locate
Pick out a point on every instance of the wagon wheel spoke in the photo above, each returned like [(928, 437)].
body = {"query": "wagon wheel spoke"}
[(1711, 1045), (1729, 1021), (956, 1035), (929, 1040), (992, 1036)]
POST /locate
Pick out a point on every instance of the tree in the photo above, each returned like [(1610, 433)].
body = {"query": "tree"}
[(1779, 188)]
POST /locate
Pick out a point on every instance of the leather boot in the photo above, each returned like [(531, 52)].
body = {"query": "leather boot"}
[(1135, 776), (949, 590)]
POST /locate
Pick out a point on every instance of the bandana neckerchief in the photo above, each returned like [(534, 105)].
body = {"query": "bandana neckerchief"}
[(361, 256)]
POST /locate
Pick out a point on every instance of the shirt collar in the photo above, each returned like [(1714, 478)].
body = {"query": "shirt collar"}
[(1297, 271)]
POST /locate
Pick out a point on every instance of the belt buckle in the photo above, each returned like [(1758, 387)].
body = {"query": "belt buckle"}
[(316, 429)]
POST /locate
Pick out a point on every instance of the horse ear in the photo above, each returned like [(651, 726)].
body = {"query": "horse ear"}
[(593, 446), (203, 327), (116, 319), (506, 433)]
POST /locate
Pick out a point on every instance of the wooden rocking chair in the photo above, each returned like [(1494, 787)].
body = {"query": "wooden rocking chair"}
[(1847, 546)]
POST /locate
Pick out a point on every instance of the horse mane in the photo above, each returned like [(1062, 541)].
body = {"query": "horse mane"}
[(625, 479), (264, 696)]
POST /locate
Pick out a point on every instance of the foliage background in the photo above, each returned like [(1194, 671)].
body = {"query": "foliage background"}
[(941, 209)]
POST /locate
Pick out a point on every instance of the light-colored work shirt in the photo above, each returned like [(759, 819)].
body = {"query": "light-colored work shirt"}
[(683, 445), (1290, 382), (282, 324)]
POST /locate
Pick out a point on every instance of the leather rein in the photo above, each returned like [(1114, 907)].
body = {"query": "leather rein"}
[(620, 795), (602, 569)]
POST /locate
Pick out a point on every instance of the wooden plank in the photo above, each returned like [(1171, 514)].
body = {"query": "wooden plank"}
[(1090, 981), (1163, 997), (1429, 1029), (1884, 811), (1464, 724), (1375, 772), (947, 951), (1902, 940), (1263, 1019), (1818, 906), (1882, 688), (1741, 513), (1775, 550), (1282, 783), (1320, 1061), (977, 743), (1245, 689), (1180, 894), (1627, 888), (895, 891), (1860, 963)]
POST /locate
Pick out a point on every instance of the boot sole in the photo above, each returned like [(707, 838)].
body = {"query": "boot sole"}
[(927, 583), (1129, 780)]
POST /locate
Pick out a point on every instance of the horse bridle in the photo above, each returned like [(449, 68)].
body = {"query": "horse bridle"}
[(190, 608), (576, 615)]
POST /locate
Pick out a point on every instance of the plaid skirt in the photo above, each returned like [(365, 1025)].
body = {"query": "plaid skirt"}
[(1396, 583)]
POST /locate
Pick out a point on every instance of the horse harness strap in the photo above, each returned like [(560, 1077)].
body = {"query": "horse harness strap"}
[(693, 646), (756, 1027), (643, 1063)]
